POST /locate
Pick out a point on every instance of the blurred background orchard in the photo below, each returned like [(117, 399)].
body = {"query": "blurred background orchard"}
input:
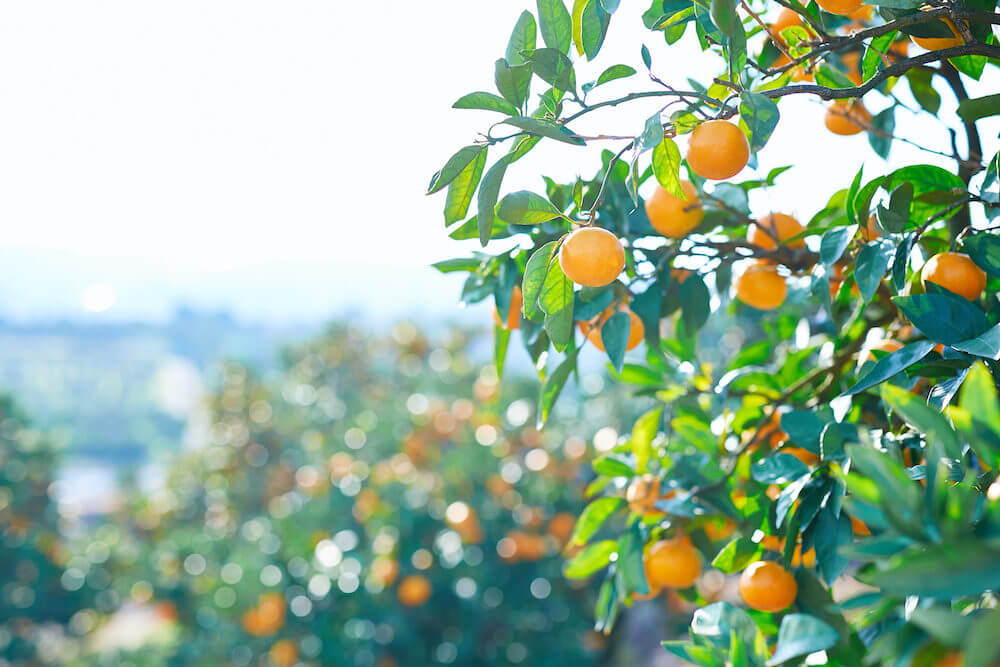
[(244, 422)]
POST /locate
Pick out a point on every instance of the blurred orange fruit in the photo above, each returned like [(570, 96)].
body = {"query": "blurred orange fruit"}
[(672, 563), (773, 229), (761, 286), (674, 216), (956, 273), (767, 586)]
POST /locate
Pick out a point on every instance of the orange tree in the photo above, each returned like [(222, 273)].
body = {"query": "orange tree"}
[(813, 442), (378, 502)]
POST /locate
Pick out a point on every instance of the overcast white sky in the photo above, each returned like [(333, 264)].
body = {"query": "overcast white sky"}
[(188, 146)]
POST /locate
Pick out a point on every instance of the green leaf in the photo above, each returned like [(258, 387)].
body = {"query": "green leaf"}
[(804, 428), (778, 469), (923, 90), (545, 128), (940, 435), (871, 266), (643, 433), (629, 561), (883, 125), (667, 166), (801, 634), (593, 517), (981, 646), (720, 620), (553, 386), (878, 47), (695, 302), (834, 242), (945, 625), (979, 397), (893, 363), (553, 67), (594, 23), (724, 16), (944, 318), (986, 345), (555, 23), (614, 72), (488, 193), (832, 78), (521, 39), (955, 569), (652, 133), (735, 556), (610, 465), (556, 301), (760, 114), (590, 559), (534, 278), (487, 102), (925, 179), (984, 250), (454, 166), (512, 82), (458, 264), (614, 335), (460, 192), (526, 208), (972, 110), (501, 337)]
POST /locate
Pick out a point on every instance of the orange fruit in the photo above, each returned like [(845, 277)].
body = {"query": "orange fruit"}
[(845, 118), (803, 455), (642, 493), (592, 329), (592, 257), (717, 150), (716, 531), (414, 590), (283, 653), (841, 7), (675, 216), (859, 527), (766, 230), (761, 286), (672, 563), (561, 526), (807, 560), (871, 230), (767, 586), (852, 61), (861, 15), (956, 273), (938, 43), (513, 322)]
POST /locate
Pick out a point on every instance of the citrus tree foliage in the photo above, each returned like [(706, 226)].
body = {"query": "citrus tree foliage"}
[(836, 445), (36, 599), (377, 503)]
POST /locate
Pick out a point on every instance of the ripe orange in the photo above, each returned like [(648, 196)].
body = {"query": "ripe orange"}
[(956, 273), (938, 43), (283, 653), (842, 7), (561, 526), (592, 329), (675, 216), (861, 15), (871, 230), (513, 313), (761, 286), (845, 118), (852, 61), (769, 230), (414, 590), (717, 150), (672, 563), (766, 586), (592, 257), (859, 527), (642, 493)]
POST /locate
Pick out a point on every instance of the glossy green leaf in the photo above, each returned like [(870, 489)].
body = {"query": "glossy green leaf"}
[(593, 517), (892, 364), (462, 188), (455, 165), (801, 634), (487, 102), (760, 114), (552, 387), (545, 128), (556, 24), (943, 318), (591, 558), (526, 208), (521, 39), (489, 190), (667, 166), (534, 278), (553, 67)]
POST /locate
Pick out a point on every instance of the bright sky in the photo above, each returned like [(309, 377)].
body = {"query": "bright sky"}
[(191, 138)]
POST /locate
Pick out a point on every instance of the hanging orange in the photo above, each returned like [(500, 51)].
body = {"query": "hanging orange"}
[(717, 150), (674, 216), (592, 257), (956, 273), (767, 586)]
